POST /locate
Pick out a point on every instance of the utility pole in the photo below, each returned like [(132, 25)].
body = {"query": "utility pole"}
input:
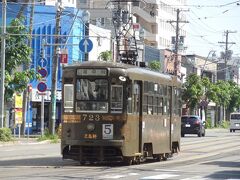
[(117, 16), (176, 62), (3, 44), (126, 50), (55, 68), (226, 50)]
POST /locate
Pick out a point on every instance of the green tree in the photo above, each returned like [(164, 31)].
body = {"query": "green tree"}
[(17, 55), (193, 91), (105, 56), (234, 101), (223, 94), (155, 65), (209, 94)]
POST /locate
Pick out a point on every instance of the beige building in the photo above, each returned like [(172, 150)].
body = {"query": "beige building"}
[(201, 66)]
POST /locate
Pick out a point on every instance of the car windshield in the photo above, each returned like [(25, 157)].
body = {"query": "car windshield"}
[(92, 95), (189, 119), (235, 116), (96, 89)]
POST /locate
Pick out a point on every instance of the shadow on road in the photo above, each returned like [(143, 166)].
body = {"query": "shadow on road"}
[(224, 164), (48, 161), (59, 162), (225, 175), (233, 174)]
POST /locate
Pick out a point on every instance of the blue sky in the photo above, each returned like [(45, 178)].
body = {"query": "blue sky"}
[(208, 19)]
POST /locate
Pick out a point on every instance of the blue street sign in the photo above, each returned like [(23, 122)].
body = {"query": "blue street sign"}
[(85, 45), (42, 87), (42, 62), (43, 72)]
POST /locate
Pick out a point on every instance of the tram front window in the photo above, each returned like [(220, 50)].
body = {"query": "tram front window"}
[(92, 95)]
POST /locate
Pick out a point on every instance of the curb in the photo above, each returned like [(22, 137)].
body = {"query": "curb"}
[(23, 142)]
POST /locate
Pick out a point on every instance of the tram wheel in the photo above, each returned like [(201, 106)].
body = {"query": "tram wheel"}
[(157, 157), (164, 157), (128, 161), (138, 160)]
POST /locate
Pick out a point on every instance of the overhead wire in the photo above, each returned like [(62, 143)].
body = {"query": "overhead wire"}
[(210, 29)]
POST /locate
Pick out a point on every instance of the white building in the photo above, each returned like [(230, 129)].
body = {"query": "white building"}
[(65, 3), (153, 15), (101, 39)]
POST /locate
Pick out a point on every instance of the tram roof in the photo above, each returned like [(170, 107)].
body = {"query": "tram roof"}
[(130, 69)]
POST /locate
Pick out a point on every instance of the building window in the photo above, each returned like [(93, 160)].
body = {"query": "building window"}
[(100, 22), (83, 1)]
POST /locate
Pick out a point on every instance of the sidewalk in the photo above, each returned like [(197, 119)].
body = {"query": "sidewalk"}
[(24, 140)]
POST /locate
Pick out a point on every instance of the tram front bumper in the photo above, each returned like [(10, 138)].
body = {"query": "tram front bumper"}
[(93, 142)]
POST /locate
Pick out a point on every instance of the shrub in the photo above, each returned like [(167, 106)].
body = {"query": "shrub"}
[(59, 131), (208, 124), (5, 134), (224, 124), (48, 136)]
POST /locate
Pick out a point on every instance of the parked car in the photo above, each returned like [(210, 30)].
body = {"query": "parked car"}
[(192, 124), (234, 121)]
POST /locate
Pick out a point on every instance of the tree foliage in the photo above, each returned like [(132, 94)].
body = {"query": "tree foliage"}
[(234, 101), (155, 65), (223, 93), (193, 91), (17, 55), (105, 56)]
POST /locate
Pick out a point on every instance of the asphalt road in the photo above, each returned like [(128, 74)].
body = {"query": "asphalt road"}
[(216, 156)]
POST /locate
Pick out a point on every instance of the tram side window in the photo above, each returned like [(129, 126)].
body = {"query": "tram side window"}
[(150, 104), (164, 90), (160, 90), (150, 87), (177, 102), (165, 99), (160, 105), (155, 105), (145, 87), (145, 104), (136, 94), (116, 98), (165, 104), (169, 101), (68, 97), (129, 98)]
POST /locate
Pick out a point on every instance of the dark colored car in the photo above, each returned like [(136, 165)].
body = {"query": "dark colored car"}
[(192, 124)]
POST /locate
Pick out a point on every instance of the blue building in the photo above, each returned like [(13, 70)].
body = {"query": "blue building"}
[(43, 31)]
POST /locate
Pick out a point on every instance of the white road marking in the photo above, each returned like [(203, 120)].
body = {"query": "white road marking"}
[(118, 176), (195, 178), (168, 170), (160, 176)]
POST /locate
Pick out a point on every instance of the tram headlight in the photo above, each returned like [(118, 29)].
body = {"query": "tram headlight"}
[(90, 127)]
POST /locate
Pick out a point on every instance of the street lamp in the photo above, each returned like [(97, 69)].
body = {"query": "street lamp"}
[(86, 20), (213, 56)]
